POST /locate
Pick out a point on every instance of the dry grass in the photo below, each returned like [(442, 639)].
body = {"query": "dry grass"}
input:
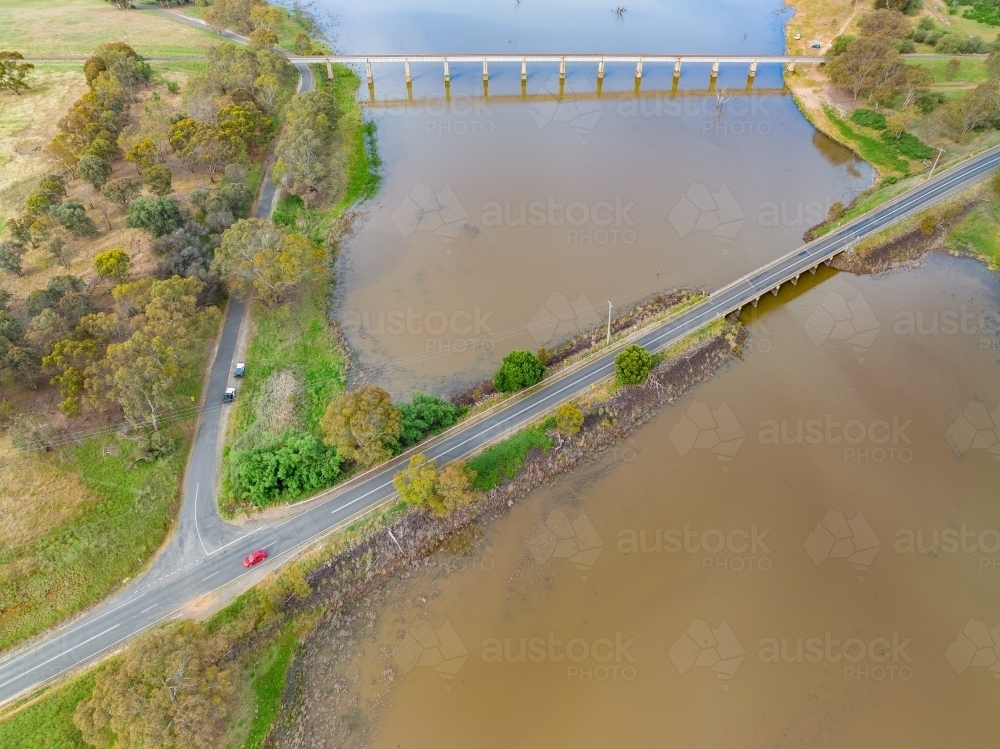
[(35, 498), (27, 124), (817, 21), (61, 28)]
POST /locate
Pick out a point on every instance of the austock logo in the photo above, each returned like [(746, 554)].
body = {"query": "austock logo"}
[(836, 319), (425, 210), (976, 646), (701, 428), (576, 110), (703, 647), (703, 210), (976, 429), (559, 318), (561, 538), (837, 537), (426, 647)]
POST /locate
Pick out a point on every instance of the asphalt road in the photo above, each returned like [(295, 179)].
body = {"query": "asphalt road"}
[(205, 554)]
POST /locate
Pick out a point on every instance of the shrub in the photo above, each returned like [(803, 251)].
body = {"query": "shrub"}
[(158, 216), (122, 190), (840, 43), (238, 197), (910, 145), (928, 224), (294, 465), (158, 179), (73, 216), (11, 253), (569, 419), (930, 101), (868, 118), (520, 369), (287, 210), (427, 414), (632, 365), (38, 301)]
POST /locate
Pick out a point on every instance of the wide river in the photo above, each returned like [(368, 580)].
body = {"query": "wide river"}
[(510, 222), (835, 583)]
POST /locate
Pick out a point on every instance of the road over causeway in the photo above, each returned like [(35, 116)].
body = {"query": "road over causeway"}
[(204, 555)]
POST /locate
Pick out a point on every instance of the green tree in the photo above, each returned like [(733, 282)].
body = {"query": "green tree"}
[(73, 216), (887, 23), (46, 328), (169, 689), (94, 169), (869, 65), (363, 425), (113, 264), (632, 364), (417, 483), (265, 261), (519, 369), (11, 253), (426, 414), (569, 419), (159, 180), (243, 128), (122, 190), (54, 185), (140, 374), (61, 252), (292, 466), (304, 150), (158, 216), (14, 72)]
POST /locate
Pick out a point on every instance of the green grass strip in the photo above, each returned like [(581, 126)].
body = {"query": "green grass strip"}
[(871, 149), (505, 459)]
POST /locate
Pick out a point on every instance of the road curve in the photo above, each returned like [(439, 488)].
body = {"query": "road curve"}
[(205, 554)]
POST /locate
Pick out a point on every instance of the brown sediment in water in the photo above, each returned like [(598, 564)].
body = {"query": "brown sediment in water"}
[(352, 581)]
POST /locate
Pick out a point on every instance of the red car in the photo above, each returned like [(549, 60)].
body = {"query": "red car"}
[(258, 556)]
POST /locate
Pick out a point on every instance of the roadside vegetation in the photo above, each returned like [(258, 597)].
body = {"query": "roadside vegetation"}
[(110, 296), (905, 117)]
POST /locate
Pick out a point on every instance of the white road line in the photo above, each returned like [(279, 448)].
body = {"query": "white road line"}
[(196, 488), (60, 655), (151, 607), (212, 575)]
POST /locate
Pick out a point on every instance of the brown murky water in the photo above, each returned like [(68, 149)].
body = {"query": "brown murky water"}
[(665, 597), (507, 224)]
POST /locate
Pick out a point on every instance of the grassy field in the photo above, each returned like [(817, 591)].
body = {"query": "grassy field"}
[(64, 28), (47, 723), (979, 233), (105, 512)]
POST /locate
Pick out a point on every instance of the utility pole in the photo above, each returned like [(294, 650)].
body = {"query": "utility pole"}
[(940, 151), (609, 322)]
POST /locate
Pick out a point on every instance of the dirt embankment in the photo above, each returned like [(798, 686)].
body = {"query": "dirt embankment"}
[(906, 248), (361, 570)]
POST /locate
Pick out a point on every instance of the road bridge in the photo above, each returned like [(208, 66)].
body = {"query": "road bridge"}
[(599, 59), (204, 560)]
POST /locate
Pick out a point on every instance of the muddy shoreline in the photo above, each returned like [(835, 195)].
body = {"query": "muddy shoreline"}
[(410, 540)]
